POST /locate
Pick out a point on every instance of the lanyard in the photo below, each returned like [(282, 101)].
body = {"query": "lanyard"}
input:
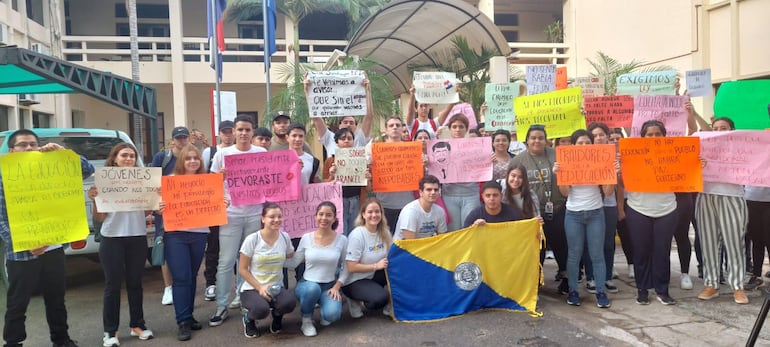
[(539, 175)]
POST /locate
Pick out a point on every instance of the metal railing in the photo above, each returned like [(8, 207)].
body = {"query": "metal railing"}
[(536, 52)]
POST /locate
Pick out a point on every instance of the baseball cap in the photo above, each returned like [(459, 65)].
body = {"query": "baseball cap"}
[(226, 124), (180, 131), (279, 114)]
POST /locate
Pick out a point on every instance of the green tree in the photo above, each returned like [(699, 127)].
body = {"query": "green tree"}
[(610, 68)]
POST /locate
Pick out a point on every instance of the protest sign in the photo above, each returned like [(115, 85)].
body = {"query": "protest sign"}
[(668, 109), (591, 86), (336, 93), (647, 83), (467, 110), (559, 111), (561, 77), (127, 188), (699, 82), (44, 197), (351, 166), (661, 164), (747, 103), (590, 164), (460, 160), (616, 111), (299, 215), (396, 166), (253, 178), (435, 87), (499, 99), (193, 201), (541, 79), (738, 157)]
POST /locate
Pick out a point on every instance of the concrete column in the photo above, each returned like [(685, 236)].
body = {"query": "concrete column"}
[(735, 44), (487, 7), (498, 70), (570, 38), (177, 67)]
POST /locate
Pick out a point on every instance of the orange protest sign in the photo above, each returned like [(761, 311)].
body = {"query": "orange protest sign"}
[(591, 164), (396, 166), (661, 164), (561, 77), (616, 111), (193, 201)]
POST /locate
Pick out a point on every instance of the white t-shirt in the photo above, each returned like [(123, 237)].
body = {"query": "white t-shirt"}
[(267, 261), (321, 262), (424, 224), (307, 167), (206, 154), (516, 147), (359, 140), (753, 193), (652, 204), (124, 224), (584, 198), (726, 189), (364, 247), (423, 125), (219, 164)]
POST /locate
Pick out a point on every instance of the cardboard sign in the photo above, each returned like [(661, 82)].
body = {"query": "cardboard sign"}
[(616, 111), (460, 160), (738, 157), (193, 201), (559, 111), (499, 99), (336, 93), (44, 197), (661, 164), (127, 188), (668, 109), (699, 82), (541, 79), (561, 77), (467, 110), (351, 166), (591, 86), (582, 165), (299, 215), (647, 83), (253, 178), (435, 87), (396, 166), (747, 103)]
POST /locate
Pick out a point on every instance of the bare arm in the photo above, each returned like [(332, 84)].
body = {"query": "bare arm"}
[(357, 267), (444, 113), (410, 110), (408, 235), (366, 124)]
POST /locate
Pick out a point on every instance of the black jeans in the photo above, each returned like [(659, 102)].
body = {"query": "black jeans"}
[(556, 239), (371, 291), (211, 256), (25, 277), (122, 257), (759, 230), (391, 215), (651, 239), (685, 208), (258, 308)]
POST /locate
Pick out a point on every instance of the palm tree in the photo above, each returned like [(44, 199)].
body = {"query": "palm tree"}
[(609, 68)]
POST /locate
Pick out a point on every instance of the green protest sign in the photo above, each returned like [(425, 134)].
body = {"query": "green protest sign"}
[(747, 103)]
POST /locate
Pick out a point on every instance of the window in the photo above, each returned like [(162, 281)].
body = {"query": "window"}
[(146, 130), (324, 26), (142, 11), (248, 31), (41, 120), (507, 19), (144, 30), (4, 118), (35, 11), (511, 35)]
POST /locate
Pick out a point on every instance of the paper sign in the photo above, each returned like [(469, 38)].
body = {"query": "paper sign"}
[(747, 103), (561, 77), (699, 82), (559, 111), (44, 197), (541, 79), (661, 164), (647, 83), (299, 215), (499, 98), (590, 164), (396, 166), (668, 109), (738, 157), (253, 178), (127, 188), (193, 201), (351, 166), (591, 86), (336, 93), (615, 111), (435, 87), (460, 160), (229, 105), (467, 110)]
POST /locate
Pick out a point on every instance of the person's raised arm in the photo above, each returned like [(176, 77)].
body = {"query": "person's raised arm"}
[(366, 123), (443, 114), (410, 109)]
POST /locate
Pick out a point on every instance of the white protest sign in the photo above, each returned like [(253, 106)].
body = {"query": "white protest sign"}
[(122, 189), (541, 79), (351, 166), (699, 82), (229, 105), (435, 87), (591, 86), (336, 93)]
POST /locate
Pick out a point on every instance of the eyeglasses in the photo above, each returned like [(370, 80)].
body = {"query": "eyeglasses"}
[(25, 144)]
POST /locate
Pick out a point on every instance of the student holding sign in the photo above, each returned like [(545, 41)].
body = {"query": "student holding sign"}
[(361, 136), (351, 195), (459, 198), (501, 140), (393, 202), (423, 119)]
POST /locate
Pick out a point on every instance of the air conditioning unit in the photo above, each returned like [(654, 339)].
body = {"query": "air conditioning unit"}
[(39, 48), (28, 99), (5, 34)]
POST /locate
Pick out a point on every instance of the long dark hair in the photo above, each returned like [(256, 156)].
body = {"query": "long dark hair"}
[(527, 209)]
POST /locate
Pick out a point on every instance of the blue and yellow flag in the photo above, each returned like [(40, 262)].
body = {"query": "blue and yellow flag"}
[(492, 266)]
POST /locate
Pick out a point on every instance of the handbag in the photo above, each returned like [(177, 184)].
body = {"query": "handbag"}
[(158, 252)]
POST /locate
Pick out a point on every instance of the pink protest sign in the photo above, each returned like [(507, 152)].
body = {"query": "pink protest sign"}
[(254, 178), (738, 157), (461, 160), (466, 109), (668, 109), (299, 215)]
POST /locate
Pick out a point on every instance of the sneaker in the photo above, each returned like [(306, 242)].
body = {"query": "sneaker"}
[(277, 324), (573, 298), (614, 273), (611, 287), (355, 308), (642, 297), (236, 303), (195, 325), (631, 271), (142, 333), (219, 317), (740, 297), (549, 255), (591, 286), (184, 332), (563, 287), (387, 310), (325, 322), (211, 293), (666, 299), (754, 282), (685, 282), (308, 329), (559, 276), (250, 327), (708, 293), (602, 301), (168, 298), (110, 341)]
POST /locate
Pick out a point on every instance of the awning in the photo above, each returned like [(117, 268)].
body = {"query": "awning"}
[(414, 32)]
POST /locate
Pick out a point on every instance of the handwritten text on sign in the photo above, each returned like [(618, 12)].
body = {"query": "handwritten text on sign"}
[(541, 79), (647, 83), (591, 164), (661, 164), (591, 86), (699, 82), (435, 87), (738, 157), (336, 93), (127, 188), (460, 160), (193, 201), (668, 109), (254, 178), (615, 111), (299, 215), (45, 200), (396, 166), (499, 98), (351, 166), (559, 111)]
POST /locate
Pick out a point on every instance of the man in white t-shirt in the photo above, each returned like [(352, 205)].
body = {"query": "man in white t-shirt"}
[(422, 217)]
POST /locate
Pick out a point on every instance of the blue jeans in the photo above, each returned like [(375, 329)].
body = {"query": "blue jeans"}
[(459, 207), (349, 214), (184, 254), (585, 227), (309, 293), (610, 225)]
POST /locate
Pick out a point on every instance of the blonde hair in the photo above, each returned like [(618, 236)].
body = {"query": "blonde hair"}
[(383, 230)]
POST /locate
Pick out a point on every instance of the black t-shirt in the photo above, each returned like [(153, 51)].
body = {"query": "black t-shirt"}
[(507, 214)]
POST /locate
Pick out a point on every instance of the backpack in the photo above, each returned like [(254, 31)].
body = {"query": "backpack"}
[(166, 159), (212, 151), (416, 125), (314, 173)]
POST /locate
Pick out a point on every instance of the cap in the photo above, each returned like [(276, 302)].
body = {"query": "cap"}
[(180, 131), (279, 114), (226, 124)]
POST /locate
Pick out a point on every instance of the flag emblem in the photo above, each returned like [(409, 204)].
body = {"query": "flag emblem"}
[(467, 276)]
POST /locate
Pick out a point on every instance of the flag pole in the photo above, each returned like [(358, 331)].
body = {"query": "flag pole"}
[(266, 54), (214, 46)]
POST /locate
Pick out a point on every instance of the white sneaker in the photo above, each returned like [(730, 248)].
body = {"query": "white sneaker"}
[(168, 298), (549, 254), (685, 282), (325, 322), (387, 310), (631, 271), (142, 334), (308, 329), (236, 303), (355, 308), (110, 341), (211, 293)]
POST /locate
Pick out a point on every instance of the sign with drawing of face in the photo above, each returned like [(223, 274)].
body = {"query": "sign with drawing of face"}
[(460, 160)]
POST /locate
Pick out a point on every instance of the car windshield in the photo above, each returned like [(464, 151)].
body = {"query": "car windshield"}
[(93, 148)]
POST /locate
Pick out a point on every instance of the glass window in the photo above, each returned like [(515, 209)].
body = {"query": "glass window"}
[(142, 11)]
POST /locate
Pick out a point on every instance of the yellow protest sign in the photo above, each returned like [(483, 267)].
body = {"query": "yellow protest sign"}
[(44, 197), (559, 111)]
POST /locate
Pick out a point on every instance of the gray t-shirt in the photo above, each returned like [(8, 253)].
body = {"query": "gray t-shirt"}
[(364, 247), (424, 224), (321, 262)]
